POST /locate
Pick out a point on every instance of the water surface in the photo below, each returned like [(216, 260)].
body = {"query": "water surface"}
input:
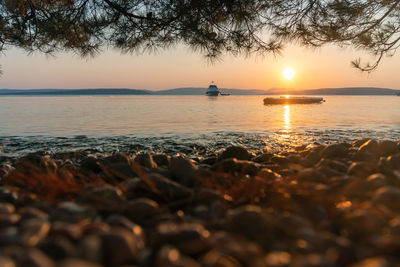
[(153, 122)]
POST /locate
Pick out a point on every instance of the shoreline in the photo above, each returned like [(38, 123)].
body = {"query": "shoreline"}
[(318, 205)]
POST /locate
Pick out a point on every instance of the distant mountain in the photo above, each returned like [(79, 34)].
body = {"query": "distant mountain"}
[(100, 91), (279, 91), (337, 91), (202, 91)]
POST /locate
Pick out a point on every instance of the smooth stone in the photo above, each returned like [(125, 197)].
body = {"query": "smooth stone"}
[(183, 169), (8, 236), (146, 160), (33, 231), (371, 146), (7, 220), (377, 180), (160, 187), (70, 230), (251, 222), (6, 262), (77, 263), (268, 174), (29, 212), (7, 196), (279, 159), (142, 209), (334, 151), (91, 164), (238, 152), (137, 231), (388, 197), (190, 238), (215, 258), (119, 246), (90, 248), (161, 159), (34, 258), (71, 212), (264, 157), (236, 246), (171, 257), (7, 208), (372, 262), (313, 157), (101, 197), (359, 143), (364, 156), (395, 161), (234, 166), (333, 164), (209, 161), (361, 169), (388, 148), (57, 247), (207, 196)]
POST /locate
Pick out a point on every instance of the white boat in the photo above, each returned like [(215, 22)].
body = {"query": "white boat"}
[(213, 90), (285, 100)]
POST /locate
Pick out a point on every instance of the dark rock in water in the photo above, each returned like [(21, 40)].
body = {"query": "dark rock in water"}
[(190, 238), (145, 160), (264, 157), (371, 146), (238, 152), (388, 148), (142, 209), (209, 161), (171, 257), (334, 151), (333, 164), (183, 170), (360, 142), (90, 164), (388, 197), (117, 167), (161, 159), (120, 246), (232, 166), (34, 258)]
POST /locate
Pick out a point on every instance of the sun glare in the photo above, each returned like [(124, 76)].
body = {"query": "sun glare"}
[(288, 73)]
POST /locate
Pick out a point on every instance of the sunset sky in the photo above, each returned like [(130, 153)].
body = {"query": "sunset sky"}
[(179, 67)]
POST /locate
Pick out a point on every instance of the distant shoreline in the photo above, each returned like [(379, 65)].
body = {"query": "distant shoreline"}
[(347, 91)]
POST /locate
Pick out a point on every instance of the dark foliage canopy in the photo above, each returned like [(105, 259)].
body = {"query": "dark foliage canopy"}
[(214, 27)]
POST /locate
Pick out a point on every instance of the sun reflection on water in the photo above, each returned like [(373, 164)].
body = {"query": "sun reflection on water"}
[(287, 117)]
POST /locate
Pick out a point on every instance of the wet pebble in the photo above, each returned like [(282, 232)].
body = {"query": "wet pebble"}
[(334, 151), (238, 152)]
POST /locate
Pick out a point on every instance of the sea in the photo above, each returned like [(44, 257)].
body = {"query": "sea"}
[(188, 124)]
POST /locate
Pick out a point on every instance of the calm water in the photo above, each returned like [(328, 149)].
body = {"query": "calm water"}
[(192, 122)]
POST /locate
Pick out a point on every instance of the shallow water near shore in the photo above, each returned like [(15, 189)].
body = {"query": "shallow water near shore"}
[(188, 124)]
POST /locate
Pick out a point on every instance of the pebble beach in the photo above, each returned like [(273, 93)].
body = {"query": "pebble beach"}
[(332, 204)]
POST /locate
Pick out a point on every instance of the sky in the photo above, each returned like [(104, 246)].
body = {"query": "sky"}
[(178, 67)]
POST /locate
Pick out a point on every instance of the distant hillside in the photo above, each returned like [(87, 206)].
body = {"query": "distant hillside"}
[(202, 91), (277, 91), (101, 91), (338, 91)]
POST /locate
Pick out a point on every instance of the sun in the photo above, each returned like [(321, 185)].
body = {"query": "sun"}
[(288, 73)]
